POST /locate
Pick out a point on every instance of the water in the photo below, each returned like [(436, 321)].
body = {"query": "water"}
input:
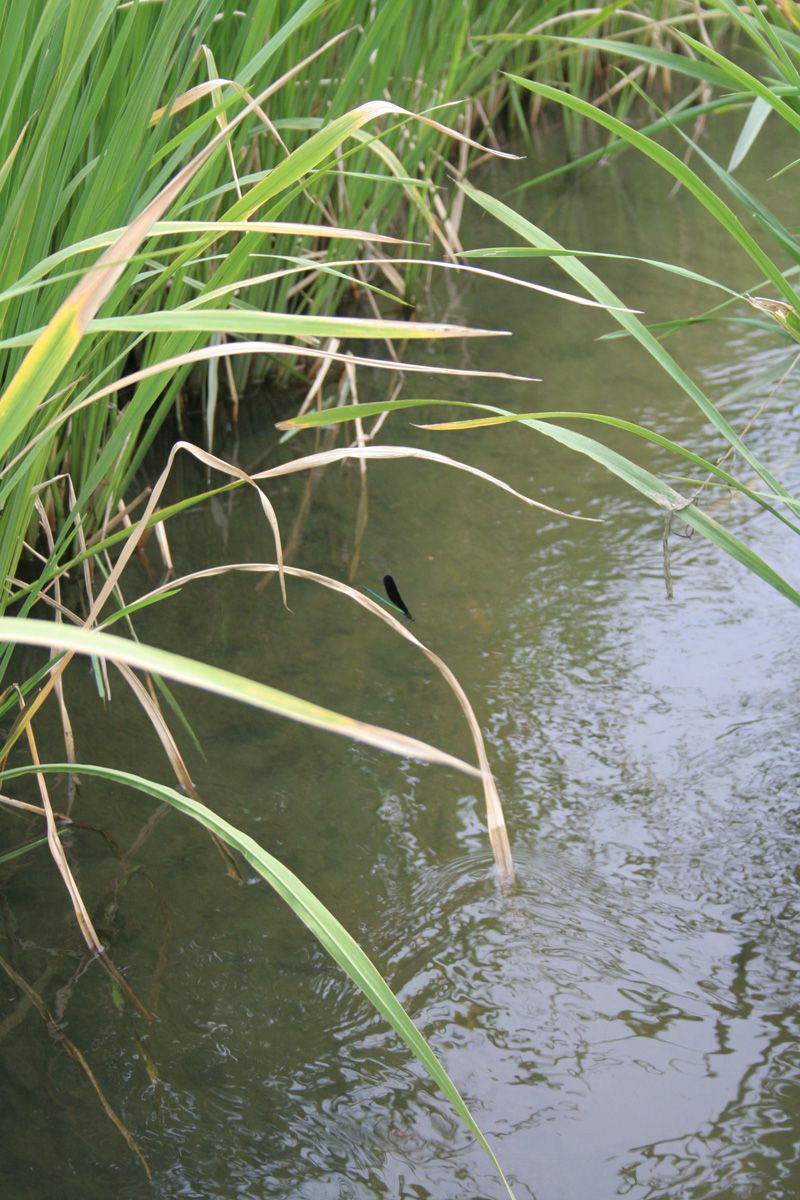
[(630, 1026)]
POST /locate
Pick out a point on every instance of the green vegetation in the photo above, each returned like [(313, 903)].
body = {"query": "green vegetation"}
[(768, 44), (225, 166), (190, 189)]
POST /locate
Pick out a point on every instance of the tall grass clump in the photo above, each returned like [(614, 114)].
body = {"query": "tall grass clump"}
[(194, 187), (204, 189)]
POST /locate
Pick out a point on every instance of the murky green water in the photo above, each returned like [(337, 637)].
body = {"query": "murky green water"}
[(633, 1031)]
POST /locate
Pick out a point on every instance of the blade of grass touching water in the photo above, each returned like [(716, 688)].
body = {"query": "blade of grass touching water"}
[(318, 919), (498, 833)]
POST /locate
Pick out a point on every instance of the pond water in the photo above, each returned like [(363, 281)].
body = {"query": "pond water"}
[(630, 1026)]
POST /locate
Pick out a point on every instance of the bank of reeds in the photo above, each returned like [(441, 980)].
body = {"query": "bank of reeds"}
[(220, 163), (198, 186), (102, 105)]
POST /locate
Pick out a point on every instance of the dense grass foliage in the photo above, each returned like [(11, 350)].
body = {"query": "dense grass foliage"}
[(220, 160), (213, 186), (104, 103)]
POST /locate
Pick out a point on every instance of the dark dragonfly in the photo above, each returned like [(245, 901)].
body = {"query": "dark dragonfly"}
[(395, 599)]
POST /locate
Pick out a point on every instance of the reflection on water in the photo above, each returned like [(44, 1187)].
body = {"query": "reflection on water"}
[(631, 1028)]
